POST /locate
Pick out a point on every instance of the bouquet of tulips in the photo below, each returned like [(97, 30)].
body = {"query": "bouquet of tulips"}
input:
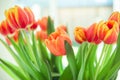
[(38, 48)]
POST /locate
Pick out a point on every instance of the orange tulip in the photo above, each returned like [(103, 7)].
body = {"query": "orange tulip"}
[(43, 23), (55, 42), (18, 17), (115, 16), (5, 28), (80, 34), (41, 35), (108, 31), (92, 34)]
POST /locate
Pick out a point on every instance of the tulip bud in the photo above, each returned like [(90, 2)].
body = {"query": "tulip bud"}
[(80, 34), (92, 34)]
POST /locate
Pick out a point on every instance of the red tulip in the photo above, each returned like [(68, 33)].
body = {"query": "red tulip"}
[(55, 42), (80, 34), (108, 31), (115, 16), (43, 23), (18, 17), (92, 34), (5, 28)]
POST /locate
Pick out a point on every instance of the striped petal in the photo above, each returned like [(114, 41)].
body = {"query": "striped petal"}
[(21, 17), (80, 34)]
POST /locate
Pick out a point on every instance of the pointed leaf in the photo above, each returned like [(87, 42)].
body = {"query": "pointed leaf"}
[(71, 60), (15, 70), (50, 26)]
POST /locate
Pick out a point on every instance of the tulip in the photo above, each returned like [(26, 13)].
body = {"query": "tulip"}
[(80, 34), (43, 23), (55, 42), (115, 16), (92, 34), (42, 35), (18, 17), (5, 28), (108, 31)]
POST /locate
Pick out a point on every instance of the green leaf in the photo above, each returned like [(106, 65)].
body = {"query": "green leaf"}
[(113, 71), (28, 45), (17, 59), (35, 74), (91, 61), (15, 70), (100, 61), (81, 72), (44, 60), (58, 62), (113, 64), (43, 51), (107, 67), (116, 62), (80, 55), (84, 70), (117, 56), (9, 72), (45, 69), (67, 74), (71, 60), (35, 49), (50, 26)]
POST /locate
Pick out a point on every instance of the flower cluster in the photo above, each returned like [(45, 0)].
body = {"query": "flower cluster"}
[(38, 48), (17, 18), (106, 31)]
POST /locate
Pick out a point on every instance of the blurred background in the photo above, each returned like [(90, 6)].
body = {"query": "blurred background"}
[(68, 12)]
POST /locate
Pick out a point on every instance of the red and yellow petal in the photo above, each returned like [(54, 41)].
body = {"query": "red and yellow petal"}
[(21, 17), (10, 17), (3, 28), (80, 34), (112, 33), (30, 15), (101, 30), (111, 37), (116, 17)]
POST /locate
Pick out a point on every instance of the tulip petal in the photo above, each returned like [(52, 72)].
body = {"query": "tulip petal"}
[(80, 34), (111, 37), (30, 15), (10, 15), (21, 17), (3, 28), (43, 23)]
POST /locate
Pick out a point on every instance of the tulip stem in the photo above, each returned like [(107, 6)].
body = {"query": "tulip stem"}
[(100, 61)]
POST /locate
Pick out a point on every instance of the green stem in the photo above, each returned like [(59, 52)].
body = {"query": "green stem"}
[(98, 66), (82, 70)]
